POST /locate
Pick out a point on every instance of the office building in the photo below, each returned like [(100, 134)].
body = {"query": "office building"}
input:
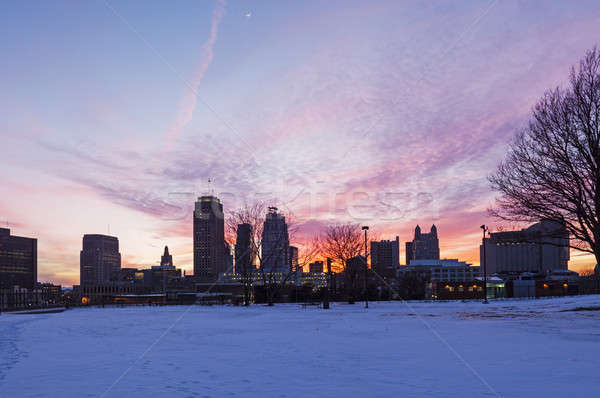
[(99, 260), (445, 270), (166, 259), (275, 243), (18, 261), (317, 266), (209, 238), (424, 246), (385, 256), (244, 254), (227, 258), (540, 249)]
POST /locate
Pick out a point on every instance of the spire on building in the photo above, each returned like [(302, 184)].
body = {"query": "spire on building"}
[(166, 259)]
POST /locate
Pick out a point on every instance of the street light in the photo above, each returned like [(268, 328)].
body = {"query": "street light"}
[(485, 300), (366, 228)]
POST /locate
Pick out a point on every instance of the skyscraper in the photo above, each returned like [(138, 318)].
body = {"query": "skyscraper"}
[(209, 238), (275, 243), (166, 259), (244, 257), (99, 260), (227, 258), (385, 256), (18, 261), (425, 246)]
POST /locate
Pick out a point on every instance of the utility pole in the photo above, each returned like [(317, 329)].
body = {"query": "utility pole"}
[(485, 300), (366, 228)]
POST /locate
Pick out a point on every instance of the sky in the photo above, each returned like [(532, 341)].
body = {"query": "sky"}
[(390, 114)]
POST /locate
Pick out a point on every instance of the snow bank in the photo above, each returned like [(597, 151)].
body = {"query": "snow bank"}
[(507, 348)]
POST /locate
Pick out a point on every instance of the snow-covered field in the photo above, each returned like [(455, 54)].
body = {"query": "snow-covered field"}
[(507, 348)]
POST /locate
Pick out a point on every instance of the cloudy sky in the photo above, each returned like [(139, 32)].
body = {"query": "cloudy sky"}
[(116, 113)]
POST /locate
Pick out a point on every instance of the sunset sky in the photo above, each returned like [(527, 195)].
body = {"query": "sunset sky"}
[(388, 113)]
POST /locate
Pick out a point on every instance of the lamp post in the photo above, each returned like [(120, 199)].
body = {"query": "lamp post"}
[(485, 300), (366, 228), (327, 285)]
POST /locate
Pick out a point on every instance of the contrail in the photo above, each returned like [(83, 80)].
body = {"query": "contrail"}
[(188, 103)]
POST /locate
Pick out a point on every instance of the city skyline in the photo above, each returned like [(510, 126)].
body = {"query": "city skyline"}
[(106, 136)]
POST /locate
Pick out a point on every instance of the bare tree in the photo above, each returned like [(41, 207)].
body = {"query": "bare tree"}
[(251, 215), (552, 169), (262, 260), (342, 242)]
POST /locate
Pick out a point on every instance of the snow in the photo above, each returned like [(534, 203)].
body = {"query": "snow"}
[(507, 348)]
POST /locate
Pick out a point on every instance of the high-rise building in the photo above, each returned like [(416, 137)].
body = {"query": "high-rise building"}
[(424, 246), (227, 258), (166, 259), (385, 256), (244, 256), (275, 243), (99, 260), (18, 261), (293, 257), (541, 248), (209, 238)]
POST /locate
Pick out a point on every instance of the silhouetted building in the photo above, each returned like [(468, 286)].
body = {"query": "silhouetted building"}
[(50, 289), (275, 243), (166, 258), (99, 260), (317, 266), (158, 278), (385, 256), (18, 261), (540, 248), (227, 258), (317, 280), (293, 257), (125, 275), (209, 235), (244, 258), (425, 246)]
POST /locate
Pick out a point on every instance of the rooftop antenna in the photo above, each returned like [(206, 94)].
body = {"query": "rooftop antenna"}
[(210, 190)]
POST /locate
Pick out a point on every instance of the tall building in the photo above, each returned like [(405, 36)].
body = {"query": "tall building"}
[(293, 257), (166, 259), (424, 246), (99, 260), (209, 238), (227, 258), (275, 243), (18, 261), (385, 256), (244, 256), (541, 248)]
